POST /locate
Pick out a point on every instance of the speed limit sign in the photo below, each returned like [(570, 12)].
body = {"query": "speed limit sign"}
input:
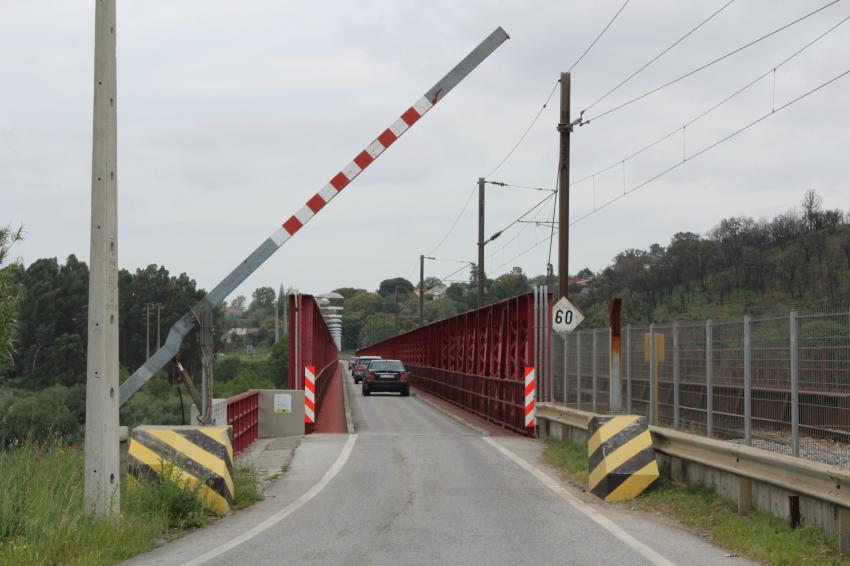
[(565, 316)]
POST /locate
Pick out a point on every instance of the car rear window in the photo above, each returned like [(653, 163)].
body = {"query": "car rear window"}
[(386, 365)]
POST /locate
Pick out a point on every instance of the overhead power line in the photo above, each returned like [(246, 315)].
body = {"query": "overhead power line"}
[(601, 33), (520, 217), (659, 55), (685, 160), (650, 145), (709, 64), (455, 223), (551, 93)]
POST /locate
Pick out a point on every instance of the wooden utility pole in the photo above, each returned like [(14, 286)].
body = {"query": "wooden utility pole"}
[(101, 483), (564, 127), (481, 277)]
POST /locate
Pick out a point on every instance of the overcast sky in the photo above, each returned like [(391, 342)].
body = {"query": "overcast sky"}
[(232, 114)]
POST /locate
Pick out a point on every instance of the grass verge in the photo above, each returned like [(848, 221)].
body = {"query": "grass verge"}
[(42, 520), (756, 535)]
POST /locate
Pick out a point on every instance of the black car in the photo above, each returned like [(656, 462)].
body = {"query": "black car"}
[(360, 367), (386, 375)]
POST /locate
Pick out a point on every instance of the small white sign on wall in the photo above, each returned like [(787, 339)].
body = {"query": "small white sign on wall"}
[(282, 403)]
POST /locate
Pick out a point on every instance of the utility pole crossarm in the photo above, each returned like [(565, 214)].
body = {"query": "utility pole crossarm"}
[(313, 205)]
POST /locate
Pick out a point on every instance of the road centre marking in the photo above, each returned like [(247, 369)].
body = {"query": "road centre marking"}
[(286, 511), (591, 513)]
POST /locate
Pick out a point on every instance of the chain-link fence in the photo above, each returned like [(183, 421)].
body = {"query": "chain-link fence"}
[(781, 383)]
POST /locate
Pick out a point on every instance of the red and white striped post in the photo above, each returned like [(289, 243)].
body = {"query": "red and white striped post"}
[(530, 410), (310, 395)]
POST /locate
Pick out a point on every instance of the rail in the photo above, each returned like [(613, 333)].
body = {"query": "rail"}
[(243, 415)]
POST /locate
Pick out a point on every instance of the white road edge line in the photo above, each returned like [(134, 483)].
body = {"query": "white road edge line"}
[(286, 511), (591, 513)]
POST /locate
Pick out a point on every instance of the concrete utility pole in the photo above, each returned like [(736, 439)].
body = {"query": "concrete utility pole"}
[(564, 127), (481, 278), (101, 485), (276, 319)]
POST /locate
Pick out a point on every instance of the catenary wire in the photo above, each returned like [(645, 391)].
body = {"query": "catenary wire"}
[(658, 56), (680, 163), (709, 64), (703, 114), (601, 33)]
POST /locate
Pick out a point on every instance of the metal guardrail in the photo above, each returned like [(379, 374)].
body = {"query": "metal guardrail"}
[(243, 415), (813, 479)]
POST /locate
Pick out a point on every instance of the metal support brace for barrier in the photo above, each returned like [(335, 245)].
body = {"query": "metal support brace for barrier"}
[(709, 380), (748, 380), (653, 378), (795, 384), (536, 326), (593, 371), (676, 394)]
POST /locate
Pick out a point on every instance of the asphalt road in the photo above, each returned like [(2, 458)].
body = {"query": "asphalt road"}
[(418, 487)]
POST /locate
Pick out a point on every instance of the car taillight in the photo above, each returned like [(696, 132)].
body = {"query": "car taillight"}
[(359, 368), (370, 375), (404, 376)]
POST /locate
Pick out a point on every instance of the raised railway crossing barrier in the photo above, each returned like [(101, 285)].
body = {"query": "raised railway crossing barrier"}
[(192, 455), (753, 477), (313, 355), (476, 360)]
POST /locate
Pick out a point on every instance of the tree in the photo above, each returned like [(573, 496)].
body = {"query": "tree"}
[(239, 302), (263, 300), (811, 204), (9, 297), (388, 286)]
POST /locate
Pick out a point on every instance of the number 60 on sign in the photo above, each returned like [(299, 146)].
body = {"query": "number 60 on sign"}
[(566, 317)]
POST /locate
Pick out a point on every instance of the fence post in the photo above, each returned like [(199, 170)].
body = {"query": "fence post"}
[(709, 381), (593, 370), (748, 380), (676, 375), (578, 370), (652, 410), (629, 369), (795, 385)]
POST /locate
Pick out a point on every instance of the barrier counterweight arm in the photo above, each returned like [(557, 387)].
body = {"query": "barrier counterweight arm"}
[(318, 201)]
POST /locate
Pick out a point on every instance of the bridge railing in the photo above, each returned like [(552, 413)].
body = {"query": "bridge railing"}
[(311, 345), (475, 360), (243, 415)]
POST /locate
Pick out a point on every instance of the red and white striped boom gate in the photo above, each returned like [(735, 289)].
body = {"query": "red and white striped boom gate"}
[(313, 205)]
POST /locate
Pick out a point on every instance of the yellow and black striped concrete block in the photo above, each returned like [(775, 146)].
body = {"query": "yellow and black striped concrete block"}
[(620, 458), (193, 454)]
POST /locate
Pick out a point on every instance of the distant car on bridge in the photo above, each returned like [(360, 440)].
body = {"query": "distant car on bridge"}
[(386, 375), (360, 364)]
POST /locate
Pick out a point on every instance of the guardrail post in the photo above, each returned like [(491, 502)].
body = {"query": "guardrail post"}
[(593, 370), (748, 380), (578, 370), (629, 368), (676, 375), (795, 385), (653, 378), (709, 381)]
